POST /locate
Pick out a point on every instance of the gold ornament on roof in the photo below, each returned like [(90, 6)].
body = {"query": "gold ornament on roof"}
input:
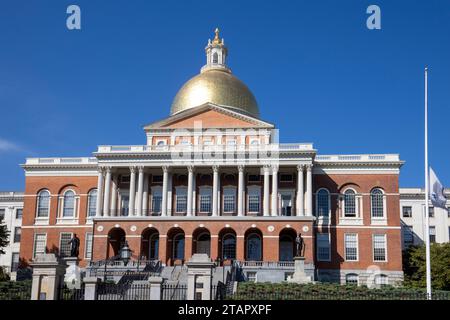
[(217, 38)]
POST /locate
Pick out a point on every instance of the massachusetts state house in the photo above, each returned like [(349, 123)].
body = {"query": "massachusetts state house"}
[(213, 178)]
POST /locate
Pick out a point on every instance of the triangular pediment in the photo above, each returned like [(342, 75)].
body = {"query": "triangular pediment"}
[(210, 116)]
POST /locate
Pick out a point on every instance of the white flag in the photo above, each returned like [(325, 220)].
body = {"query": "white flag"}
[(437, 195)]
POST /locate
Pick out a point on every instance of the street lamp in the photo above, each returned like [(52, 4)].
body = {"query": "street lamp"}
[(125, 253)]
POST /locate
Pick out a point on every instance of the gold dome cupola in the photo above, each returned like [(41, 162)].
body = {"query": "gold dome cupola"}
[(216, 84)]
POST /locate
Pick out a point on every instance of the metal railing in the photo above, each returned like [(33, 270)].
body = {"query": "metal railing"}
[(173, 292), (123, 291)]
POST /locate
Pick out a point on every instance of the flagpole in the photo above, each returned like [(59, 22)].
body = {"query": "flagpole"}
[(427, 187)]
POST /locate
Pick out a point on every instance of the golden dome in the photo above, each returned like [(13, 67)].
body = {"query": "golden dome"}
[(216, 86)]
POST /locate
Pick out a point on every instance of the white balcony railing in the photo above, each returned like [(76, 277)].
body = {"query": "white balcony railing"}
[(55, 161), (358, 158)]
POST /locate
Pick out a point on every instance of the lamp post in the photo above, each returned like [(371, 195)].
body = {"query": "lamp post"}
[(125, 253)]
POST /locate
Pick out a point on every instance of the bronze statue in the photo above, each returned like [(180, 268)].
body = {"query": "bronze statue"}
[(300, 246), (75, 246)]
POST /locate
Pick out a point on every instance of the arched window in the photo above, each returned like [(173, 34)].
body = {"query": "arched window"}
[(69, 204), (323, 203), (43, 204), (215, 58), (286, 248), (351, 279), (254, 248), (178, 247), (349, 203), (229, 246), (376, 199), (92, 203), (154, 246)]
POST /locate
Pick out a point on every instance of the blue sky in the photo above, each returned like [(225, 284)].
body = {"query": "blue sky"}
[(317, 72)]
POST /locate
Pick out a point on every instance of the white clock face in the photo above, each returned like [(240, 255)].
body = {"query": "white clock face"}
[(100, 228), (305, 228), (270, 228)]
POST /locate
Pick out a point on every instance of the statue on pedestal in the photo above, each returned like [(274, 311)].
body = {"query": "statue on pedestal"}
[(75, 246), (300, 246)]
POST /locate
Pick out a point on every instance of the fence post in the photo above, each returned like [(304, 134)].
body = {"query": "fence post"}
[(155, 287), (90, 287), (199, 277), (48, 272)]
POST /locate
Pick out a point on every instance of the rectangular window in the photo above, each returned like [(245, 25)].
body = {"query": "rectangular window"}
[(88, 246), (286, 177), (15, 261), (205, 203), (351, 247), (407, 212), (181, 203), (229, 203), (448, 212), (156, 204), (379, 247), (408, 235), (251, 276), (432, 234), (323, 247), (254, 178), (40, 243), (17, 234), (2, 214), (64, 245), (253, 203), (431, 212), (19, 213)]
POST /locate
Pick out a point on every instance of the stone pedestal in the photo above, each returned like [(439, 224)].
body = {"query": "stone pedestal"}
[(48, 272), (299, 275), (155, 287), (199, 277), (72, 277), (90, 287)]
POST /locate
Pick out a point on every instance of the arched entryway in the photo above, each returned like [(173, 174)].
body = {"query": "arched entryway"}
[(201, 241), (116, 239), (150, 244), (253, 245), (175, 246), (227, 245), (286, 247)]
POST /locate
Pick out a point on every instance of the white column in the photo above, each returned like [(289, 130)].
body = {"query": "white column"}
[(274, 191), (106, 198), (309, 190), (169, 195), (140, 192), (241, 191), (145, 196), (300, 198), (215, 190), (266, 203), (132, 191), (114, 195), (190, 190), (99, 203), (164, 191)]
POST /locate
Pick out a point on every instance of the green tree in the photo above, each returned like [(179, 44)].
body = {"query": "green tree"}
[(415, 268)]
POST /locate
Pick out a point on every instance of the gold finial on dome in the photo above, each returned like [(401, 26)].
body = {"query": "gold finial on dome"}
[(217, 38)]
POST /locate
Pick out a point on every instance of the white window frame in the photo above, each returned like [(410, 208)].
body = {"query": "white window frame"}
[(357, 247), (180, 191), (385, 247), (39, 219), (205, 191), (69, 219), (357, 215), (86, 245), (378, 220), (328, 216), (60, 241), (155, 191), (34, 242), (318, 240), (352, 274), (229, 191), (89, 203), (253, 191)]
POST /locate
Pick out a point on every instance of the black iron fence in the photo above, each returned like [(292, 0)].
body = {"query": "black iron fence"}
[(123, 291), (20, 290), (335, 296), (66, 293), (173, 292), (219, 291)]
